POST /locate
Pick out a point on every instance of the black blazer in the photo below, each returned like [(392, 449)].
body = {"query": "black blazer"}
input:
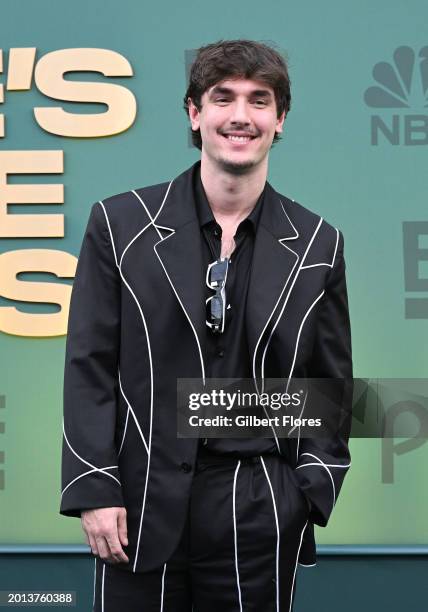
[(137, 323)]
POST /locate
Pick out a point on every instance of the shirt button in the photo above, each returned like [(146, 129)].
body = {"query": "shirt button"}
[(186, 467)]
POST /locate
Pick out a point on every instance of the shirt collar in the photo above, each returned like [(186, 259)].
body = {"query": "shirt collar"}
[(205, 213)]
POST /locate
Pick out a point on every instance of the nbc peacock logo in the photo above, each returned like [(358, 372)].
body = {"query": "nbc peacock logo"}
[(401, 91)]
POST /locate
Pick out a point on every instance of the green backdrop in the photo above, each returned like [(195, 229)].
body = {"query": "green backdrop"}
[(328, 161)]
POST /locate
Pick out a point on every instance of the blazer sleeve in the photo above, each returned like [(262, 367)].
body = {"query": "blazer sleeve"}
[(323, 461), (90, 475)]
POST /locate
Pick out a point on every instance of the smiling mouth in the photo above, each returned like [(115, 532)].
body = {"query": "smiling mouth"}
[(239, 139)]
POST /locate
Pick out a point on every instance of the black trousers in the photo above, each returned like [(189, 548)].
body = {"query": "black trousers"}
[(238, 551)]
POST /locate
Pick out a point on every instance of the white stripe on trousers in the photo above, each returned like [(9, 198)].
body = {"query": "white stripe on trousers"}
[(277, 533), (236, 536), (163, 587), (102, 588)]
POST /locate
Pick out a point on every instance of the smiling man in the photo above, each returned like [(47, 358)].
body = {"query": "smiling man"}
[(211, 275)]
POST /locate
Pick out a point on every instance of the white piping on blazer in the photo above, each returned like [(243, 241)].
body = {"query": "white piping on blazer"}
[(295, 566), (130, 410), (162, 239), (158, 227), (91, 465), (288, 296), (280, 240), (99, 470), (330, 265), (326, 466), (119, 266), (284, 305)]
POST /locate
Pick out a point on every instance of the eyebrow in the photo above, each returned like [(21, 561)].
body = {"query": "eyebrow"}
[(218, 89)]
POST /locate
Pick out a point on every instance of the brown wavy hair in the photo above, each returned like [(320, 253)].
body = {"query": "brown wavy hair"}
[(242, 58)]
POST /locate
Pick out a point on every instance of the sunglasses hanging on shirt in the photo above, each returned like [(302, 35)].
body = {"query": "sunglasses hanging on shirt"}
[(216, 304)]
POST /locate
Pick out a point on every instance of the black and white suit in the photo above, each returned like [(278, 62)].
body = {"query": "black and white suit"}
[(137, 323)]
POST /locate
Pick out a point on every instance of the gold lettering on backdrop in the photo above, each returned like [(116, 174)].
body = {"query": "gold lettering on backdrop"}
[(20, 68), (121, 103), (50, 77), (16, 322), (26, 225)]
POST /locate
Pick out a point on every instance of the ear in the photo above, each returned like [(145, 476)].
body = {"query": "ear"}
[(280, 122), (193, 115)]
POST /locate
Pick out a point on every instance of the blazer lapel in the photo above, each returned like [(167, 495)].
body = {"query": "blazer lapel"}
[(274, 263), (179, 250), (180, 253)]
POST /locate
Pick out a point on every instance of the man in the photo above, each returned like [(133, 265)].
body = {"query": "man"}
[(213, 274)]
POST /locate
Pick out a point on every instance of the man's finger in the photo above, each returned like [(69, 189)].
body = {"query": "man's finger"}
[(122, 528), (93, 545), (103, 549), (116, 549)]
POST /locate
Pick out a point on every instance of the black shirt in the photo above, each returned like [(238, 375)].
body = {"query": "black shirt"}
[(227, 354)]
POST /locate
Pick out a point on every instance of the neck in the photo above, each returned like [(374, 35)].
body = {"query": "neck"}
[(232, 196)]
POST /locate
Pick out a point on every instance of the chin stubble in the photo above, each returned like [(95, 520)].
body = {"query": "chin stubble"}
[(236, 168)]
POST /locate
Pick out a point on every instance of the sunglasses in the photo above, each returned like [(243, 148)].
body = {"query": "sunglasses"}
[(216, 304)]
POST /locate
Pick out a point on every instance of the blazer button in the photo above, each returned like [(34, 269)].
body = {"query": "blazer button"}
[(186, 467)]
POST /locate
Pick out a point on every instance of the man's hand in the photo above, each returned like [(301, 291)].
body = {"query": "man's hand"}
[(106, 532)]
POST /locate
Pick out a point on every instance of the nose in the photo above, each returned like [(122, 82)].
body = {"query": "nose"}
[(240, 113)]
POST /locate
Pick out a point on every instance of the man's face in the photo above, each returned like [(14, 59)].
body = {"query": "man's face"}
[(238, 121)]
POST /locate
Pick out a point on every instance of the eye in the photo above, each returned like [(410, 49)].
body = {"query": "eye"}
[(262, 102)]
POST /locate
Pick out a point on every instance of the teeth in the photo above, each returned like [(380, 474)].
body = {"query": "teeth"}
[(239, 138)]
